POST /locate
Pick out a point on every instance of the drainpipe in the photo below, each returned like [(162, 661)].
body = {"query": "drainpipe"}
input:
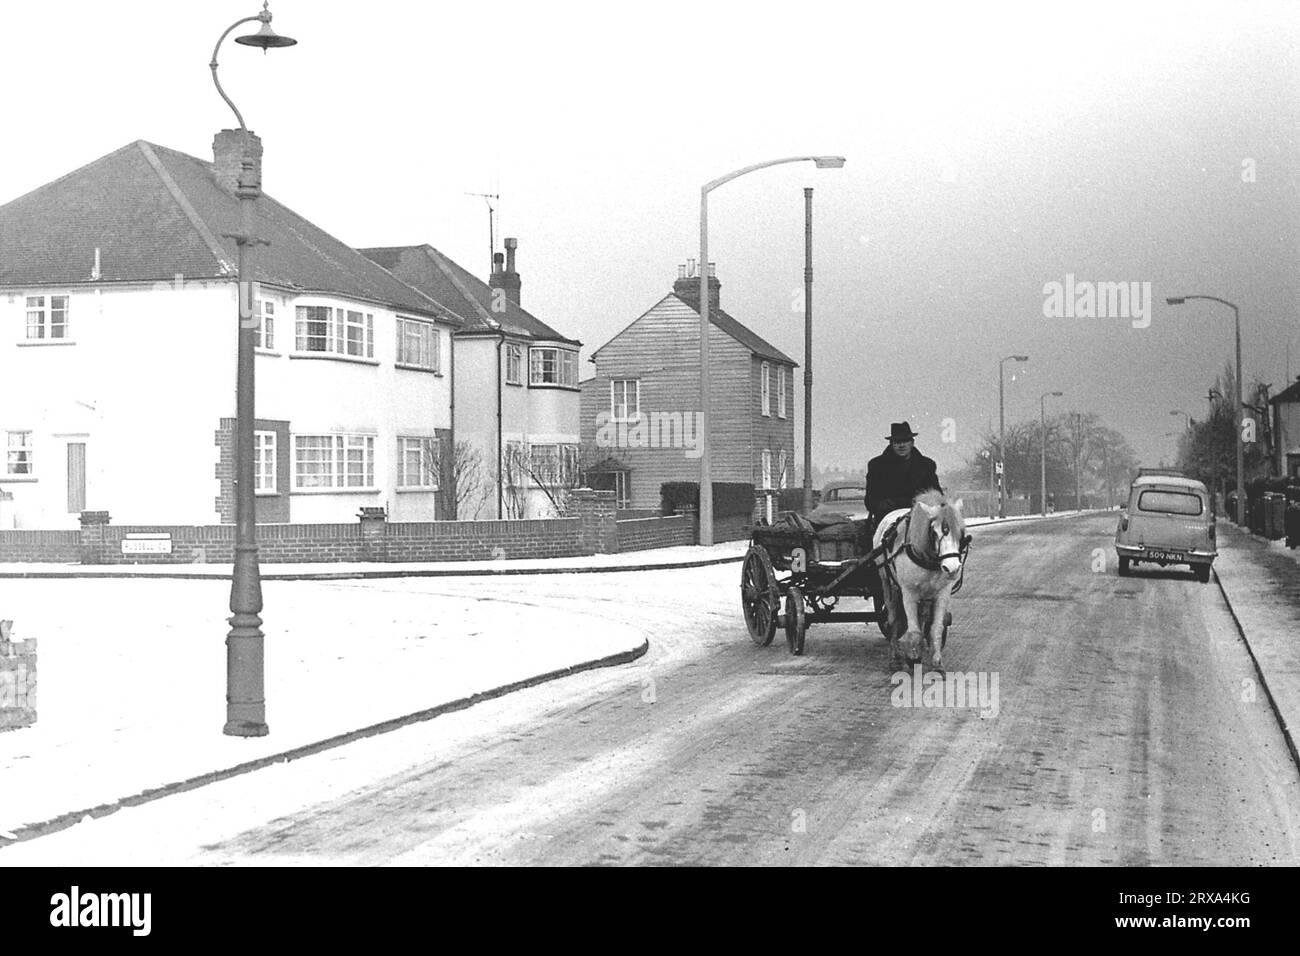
[(500, 446), (451, 451)]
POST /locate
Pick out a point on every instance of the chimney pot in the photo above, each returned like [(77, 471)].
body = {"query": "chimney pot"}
[(507, 278), (687, 286)]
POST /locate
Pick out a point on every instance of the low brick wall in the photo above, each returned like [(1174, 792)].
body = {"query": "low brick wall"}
[(17, 680), (640, 534), (27, 546), (309, 543), (734, 528)]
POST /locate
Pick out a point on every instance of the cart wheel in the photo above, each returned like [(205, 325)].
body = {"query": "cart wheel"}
[(796, 621), (759, 596)]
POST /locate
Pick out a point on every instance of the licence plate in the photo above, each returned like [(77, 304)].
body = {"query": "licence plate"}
[(1165, 555)]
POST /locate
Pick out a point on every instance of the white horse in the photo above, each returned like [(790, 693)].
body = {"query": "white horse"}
[(922, 565)]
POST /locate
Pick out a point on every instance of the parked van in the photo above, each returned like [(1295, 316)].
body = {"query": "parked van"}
[(1168, 520)]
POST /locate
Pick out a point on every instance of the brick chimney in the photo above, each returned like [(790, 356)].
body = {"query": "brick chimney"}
[(687, 286), (506, 277), (229, 150)]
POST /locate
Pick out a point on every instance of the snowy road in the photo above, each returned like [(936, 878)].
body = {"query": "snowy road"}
[(1126, 729)]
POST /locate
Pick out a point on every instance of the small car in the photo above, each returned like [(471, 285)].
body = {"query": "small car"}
[(1167, 521), (846, 498)]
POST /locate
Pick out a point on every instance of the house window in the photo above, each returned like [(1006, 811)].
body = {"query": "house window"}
[(767, 468), (321, 328), (418, 344), (780, 391), (264, 334), (553, 367), (765, 389), (47, 316), (625, 399), (553, 465), (419, 463), (18, 453), (514, 364), (264, 462), (334, 461), (780, 470), (623, 489)]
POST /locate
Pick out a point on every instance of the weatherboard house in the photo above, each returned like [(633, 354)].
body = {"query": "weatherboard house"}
[(641, 412), (118, 328)]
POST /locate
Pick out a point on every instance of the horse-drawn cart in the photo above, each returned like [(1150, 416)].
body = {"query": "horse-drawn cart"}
[(796, 572)]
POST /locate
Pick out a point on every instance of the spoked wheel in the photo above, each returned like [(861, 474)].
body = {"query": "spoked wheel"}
[(759, 596), (796, 621)]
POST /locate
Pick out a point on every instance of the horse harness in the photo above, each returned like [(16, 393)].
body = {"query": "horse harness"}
[(884, 555)]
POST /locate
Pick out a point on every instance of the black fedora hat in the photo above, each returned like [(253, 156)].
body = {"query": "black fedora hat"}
[(901, 431)]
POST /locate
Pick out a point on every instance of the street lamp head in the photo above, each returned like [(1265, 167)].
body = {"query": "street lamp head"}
[(1175, 300), (266, 38), (1021, 358), (1058, 394), (829, 162)]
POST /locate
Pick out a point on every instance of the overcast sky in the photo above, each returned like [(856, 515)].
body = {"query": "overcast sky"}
[(992, 148)]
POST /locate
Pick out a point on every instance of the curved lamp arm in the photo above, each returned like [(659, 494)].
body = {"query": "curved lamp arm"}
[(829, 162), (265, 17)]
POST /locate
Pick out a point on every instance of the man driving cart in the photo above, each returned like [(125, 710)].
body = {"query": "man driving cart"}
[(895, 477)]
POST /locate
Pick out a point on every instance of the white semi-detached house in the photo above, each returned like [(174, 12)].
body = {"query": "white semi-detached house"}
[(516, 393), (118, 329)]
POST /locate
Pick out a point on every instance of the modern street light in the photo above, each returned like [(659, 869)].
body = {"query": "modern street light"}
[(1042, 431), (1210, 396), (1002, 434), (1236, 409), (706, 477), (245, 686)]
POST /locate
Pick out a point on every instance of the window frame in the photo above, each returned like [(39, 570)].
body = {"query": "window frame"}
[(630, 414), (566, 366), (433, 344), (337, 338), (430, 450), (765, 390), (515, 357), (264, 334), (765, 468), (780, 391), (341, 445), (260, 486), (26, 449), (45, 322)]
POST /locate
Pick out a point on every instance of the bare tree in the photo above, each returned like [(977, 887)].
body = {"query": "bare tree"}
[(468, 481)]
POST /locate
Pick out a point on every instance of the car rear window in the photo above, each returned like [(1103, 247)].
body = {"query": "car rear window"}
[(1169, 502)]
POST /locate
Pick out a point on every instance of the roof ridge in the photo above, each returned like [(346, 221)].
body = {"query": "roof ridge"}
[(67, 175), (210, 240)]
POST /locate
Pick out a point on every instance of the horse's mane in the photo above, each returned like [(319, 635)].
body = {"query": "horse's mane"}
[(917, 531)]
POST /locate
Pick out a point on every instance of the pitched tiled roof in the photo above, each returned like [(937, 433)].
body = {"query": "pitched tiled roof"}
[(440, 278), (154, 212), (732, 326)]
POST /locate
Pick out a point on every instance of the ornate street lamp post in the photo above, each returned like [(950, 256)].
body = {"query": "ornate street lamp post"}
[(245, 685)]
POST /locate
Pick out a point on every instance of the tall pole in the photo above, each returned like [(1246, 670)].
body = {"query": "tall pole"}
[(1002, 442), (1236, 426), (1078, 430), (1042, 437), (245, 687), (245, 691), (807, 349), (706, 474)]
